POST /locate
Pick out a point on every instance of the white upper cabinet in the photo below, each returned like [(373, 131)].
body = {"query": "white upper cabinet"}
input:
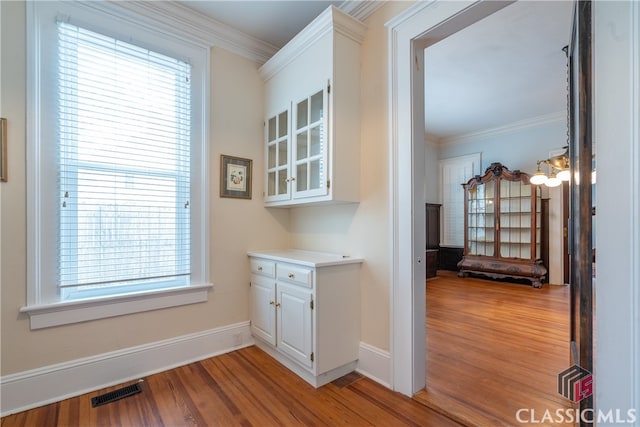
[(312, 127)]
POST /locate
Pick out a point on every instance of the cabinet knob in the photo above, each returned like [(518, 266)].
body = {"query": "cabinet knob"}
[(277, 304), (271, 302), (292, 276), (260, 268)]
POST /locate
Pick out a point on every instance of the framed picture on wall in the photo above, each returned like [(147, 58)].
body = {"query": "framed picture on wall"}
[(235, 177)]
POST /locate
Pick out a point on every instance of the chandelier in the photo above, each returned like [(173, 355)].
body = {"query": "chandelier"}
[(558, 170), (558, 165)]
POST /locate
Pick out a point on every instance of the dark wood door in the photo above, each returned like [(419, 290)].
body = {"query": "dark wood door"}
[(432, 216), (580, 221)]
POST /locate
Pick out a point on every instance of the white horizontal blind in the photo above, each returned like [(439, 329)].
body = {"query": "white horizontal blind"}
[(453, 173), (124, 166)]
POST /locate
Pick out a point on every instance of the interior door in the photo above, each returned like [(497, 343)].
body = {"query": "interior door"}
[(580, 203)]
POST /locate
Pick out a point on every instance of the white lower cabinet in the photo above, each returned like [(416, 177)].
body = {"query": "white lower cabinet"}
[(294, 331), (263, 298), (305, 311)]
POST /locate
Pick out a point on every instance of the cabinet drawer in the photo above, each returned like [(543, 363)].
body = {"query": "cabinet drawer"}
[(263, 267), (293, 274)]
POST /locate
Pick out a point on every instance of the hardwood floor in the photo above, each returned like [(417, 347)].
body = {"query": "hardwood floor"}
[(493, 348), (243, 388)]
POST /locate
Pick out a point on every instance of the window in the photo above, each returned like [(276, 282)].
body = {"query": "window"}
[(117, 181), (454, 172)]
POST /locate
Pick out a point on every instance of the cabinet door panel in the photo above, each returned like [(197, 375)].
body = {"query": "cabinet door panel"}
[(301, 146), (311, 146), (277, 148), (301, 177), (283, 183), (315, 174), (294, 323), (271, 156), (263, 314)]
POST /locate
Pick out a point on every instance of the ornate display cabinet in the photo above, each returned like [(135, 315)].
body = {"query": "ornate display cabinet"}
[(503, 226)]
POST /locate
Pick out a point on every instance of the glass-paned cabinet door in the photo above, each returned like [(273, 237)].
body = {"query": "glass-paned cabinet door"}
[(309, 151), (515, 220), (278, 147), (516, 216), (481, 219)]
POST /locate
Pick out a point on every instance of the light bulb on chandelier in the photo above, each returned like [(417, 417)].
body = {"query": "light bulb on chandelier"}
[(553, 180), (564, 175), (539, 177)]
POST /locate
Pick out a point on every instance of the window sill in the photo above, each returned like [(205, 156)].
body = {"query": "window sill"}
[(67, 312)]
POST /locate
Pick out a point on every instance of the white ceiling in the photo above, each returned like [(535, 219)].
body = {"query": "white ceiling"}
[(273, 22), (505, 69), (508, 68)]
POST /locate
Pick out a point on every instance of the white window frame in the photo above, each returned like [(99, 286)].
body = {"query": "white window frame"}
[(43, 305), (467, 166)]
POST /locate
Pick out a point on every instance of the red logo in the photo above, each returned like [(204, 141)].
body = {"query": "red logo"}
[(575, 383)]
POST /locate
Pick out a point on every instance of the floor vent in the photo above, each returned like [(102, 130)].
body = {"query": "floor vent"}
[(112, 396)]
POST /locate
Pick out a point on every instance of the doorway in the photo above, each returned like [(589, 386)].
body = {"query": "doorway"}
[(458, 65), (408, 40), (616, 118), (410, 34)]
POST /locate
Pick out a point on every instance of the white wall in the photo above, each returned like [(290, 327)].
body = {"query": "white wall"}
[(236, 225), (363, 229), (517, 147)]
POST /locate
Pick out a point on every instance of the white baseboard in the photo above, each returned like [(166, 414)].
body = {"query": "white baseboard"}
[(37, 387), (375, 364), (49, 384)]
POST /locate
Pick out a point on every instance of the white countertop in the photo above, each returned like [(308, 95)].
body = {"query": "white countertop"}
[(307, 258)]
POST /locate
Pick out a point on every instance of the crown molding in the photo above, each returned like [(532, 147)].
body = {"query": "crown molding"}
[(413, 10), (209, 32), (361, 10), (331, 19), (512, 127), (192, 25)]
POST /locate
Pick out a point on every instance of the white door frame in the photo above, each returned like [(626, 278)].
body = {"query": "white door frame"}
[(409, 34), (617, 112)]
